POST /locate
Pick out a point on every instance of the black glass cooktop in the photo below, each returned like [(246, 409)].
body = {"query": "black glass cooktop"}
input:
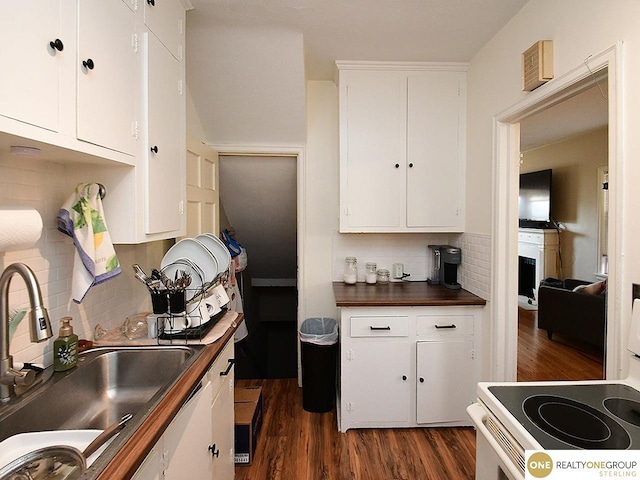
[(560, 417)]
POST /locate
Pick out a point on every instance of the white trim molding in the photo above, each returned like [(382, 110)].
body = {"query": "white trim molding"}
[(504, 284)]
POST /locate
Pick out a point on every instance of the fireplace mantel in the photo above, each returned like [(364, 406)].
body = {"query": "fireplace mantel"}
[(541, 246)]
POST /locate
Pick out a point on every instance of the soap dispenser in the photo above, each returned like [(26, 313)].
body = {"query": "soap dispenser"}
[(65, 347)]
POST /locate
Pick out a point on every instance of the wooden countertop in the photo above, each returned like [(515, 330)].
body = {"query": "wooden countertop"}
[(401, 294), (125, 463)]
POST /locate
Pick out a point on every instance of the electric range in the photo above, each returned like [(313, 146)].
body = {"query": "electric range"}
[(513, 417)]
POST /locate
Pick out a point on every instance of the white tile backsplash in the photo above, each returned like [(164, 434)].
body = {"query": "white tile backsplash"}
[(44, 186), (411, 249), (475, 271)]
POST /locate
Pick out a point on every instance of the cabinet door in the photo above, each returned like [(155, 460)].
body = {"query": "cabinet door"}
[(376, 382), (30, 79), (372, 151), (223, 432), (165, 165), (446, 383), (165, 18), (106, 74), (435, 151), (187, 439), (151, 468)]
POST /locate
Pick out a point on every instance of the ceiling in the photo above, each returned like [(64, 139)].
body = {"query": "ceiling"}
[(576, 115), (392, 30), (375, 30)]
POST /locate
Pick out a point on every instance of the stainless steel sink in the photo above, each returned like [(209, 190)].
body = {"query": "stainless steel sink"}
[(107, 383)]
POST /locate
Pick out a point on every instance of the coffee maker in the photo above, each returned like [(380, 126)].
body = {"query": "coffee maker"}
[(445, 266)]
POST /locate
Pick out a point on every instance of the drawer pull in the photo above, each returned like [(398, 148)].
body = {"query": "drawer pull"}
[(229, 367), (379, 328), (446, 326)]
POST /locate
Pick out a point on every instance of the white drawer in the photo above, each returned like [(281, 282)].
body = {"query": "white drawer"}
[(379, 326), (439, 325)]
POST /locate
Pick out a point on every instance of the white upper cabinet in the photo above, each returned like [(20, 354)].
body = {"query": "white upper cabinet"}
[(106, 74), (68, 76), (101, 84), (165, 155), (373, 111), (165, 18), (32, 56), (402, 147), (435, 151)]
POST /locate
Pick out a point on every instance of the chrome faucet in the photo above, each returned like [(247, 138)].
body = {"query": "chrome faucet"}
[(39, 326)]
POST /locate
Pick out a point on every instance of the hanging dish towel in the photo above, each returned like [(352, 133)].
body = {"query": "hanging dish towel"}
[(95, 260)]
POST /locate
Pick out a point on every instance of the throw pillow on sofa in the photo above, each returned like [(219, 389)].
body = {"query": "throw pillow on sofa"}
[(596, 288)]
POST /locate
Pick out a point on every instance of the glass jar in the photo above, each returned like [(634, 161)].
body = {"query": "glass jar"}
[(383, 276), (371, 273), (350, 270)]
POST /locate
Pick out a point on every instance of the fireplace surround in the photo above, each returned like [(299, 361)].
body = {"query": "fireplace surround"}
[(537, 259)]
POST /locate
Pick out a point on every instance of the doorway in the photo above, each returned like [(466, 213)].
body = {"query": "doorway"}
[(504, 304), (258, 197), (566, 145)]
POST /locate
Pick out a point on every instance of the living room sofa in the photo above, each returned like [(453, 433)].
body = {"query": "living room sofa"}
[(580, 315)]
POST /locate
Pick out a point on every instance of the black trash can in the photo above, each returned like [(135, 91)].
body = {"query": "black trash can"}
[(319, 352)]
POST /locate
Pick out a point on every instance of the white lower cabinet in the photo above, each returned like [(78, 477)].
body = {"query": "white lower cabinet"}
[(408, 366), (446, 379), (186, 442), (380, 392), (188, 449)]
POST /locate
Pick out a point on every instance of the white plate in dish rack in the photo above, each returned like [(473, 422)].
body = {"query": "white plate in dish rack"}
[(197, 253), (218, 249)]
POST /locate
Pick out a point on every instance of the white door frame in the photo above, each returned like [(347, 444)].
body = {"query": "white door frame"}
[(504, 276)]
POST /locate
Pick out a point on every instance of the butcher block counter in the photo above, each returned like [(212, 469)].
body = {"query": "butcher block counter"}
[(401, 294)]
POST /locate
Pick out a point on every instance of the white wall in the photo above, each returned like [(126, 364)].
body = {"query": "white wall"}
[(256, 81), (44, 186), (578, 28), (320, 198)]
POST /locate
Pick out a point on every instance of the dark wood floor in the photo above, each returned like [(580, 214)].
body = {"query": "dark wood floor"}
[(559, 359), (297, 445)]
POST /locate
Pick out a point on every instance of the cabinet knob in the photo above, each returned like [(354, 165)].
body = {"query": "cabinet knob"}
[(404, 377), (421, 380), (411, 165), (397, 165), (57, 45), (152, 2), (214, 452), (154, 149), (88, 64)]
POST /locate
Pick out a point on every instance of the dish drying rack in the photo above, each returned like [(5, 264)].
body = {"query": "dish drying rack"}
[(197, 305)]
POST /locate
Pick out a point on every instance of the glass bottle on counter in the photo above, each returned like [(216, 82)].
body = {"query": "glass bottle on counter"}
[(350, 270), (371, 273), (383, 276)]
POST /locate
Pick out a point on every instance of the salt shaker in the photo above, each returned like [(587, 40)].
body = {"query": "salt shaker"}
[(350, 270)]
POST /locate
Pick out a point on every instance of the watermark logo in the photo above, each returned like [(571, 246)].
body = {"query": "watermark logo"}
[(540, 465), (581, 464)]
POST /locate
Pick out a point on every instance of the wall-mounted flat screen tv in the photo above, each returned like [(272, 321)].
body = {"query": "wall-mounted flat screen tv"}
[(534, 201)]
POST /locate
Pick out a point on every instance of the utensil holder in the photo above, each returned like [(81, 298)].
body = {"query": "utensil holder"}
[(177, 302), (159, 303)]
